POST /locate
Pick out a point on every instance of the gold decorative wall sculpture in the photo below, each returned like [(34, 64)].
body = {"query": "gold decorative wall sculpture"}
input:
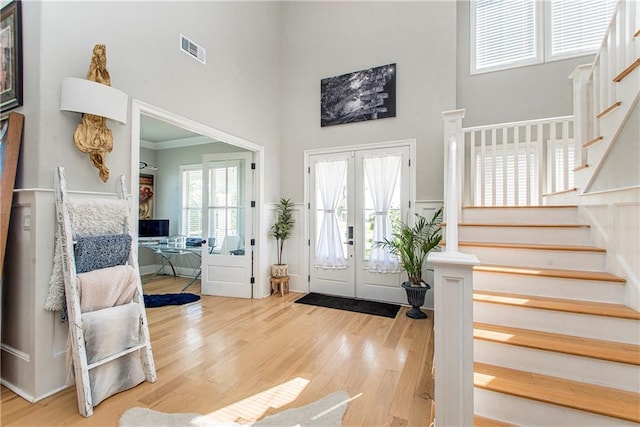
[(92, 135)]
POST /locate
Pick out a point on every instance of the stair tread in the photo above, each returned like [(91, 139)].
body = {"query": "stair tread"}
[(601, 400), (624, 73), (578, 346), (558, 304), (574, 248), (480, 421), (551, 272), (505, 224)]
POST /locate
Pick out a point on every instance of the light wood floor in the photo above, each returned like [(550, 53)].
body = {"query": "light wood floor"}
[(239, 360)]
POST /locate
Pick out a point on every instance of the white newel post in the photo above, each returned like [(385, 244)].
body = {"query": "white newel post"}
[(453, 296), (581, 113), (453, 128)]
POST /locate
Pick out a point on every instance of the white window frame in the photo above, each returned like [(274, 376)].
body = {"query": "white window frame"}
[(542, 30), (182, 169), (539, 41)]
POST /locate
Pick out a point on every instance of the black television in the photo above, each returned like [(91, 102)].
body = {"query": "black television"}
[(153, 228)]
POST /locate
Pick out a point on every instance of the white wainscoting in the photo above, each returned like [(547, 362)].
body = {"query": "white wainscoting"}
[(615, 219), (294, 253), (426, 208)]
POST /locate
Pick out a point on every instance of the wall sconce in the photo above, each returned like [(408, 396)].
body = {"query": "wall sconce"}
[(97, 101), (85, 96)]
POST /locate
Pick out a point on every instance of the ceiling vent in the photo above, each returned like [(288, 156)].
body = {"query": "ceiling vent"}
[(192, 49)]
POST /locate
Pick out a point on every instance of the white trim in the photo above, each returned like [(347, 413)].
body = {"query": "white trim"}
[(139, 107), (15, 352), (177, 143)]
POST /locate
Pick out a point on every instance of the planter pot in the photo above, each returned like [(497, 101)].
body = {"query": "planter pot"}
[(279, 270), (415, 297)]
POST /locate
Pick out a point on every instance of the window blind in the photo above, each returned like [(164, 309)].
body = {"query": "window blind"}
[(578, 25), (505, 32)]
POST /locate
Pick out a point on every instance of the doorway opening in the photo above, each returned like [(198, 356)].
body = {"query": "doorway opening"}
[(212, 184)]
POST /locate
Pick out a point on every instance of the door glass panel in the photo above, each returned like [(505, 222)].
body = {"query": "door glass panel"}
[(369, 216), (226, 207), (331, 213)]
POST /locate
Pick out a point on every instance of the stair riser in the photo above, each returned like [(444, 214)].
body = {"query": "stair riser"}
[(559, 322), (528, 412), (590, 290), (499, 215), (550, 236), (594, 371), (539, 258)]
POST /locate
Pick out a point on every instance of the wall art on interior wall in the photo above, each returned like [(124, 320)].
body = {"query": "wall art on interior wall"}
[(11, 56), (146, 196), (362, 95)]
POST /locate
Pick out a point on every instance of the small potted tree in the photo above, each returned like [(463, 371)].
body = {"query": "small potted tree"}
[(281, 230), (412, 244)]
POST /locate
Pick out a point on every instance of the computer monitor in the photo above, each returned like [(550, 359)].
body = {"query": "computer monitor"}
[(153, 228)]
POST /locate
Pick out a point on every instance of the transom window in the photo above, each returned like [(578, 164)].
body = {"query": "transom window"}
[(515, 33)]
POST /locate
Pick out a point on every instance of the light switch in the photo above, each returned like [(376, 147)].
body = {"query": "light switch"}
[(27, 222)]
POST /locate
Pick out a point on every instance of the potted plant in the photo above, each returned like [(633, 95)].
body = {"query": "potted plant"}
[(281, 230), (412, 244)]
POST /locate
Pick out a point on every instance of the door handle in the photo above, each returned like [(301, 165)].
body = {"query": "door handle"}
[(349, 242)]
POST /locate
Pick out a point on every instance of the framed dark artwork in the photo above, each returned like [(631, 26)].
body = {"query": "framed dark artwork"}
[(146, 196), (11, 56), (362, 95)]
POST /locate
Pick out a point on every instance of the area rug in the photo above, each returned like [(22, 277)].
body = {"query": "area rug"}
[(159, 300), (327, 411), (350, 304)]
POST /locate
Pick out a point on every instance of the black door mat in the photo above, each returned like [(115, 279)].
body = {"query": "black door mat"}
[(350, 304)]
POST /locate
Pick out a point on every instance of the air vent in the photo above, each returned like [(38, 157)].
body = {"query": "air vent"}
[(192, 49)]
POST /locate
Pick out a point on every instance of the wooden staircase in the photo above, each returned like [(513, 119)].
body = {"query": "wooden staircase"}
[(553, 342)]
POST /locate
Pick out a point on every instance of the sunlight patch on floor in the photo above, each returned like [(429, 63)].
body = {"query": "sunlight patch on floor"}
[(254, 407)]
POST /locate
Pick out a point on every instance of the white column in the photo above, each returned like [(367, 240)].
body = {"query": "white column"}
[(453, 328), (581, 114)]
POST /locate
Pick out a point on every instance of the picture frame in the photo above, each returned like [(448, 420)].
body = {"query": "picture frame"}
[(11, 56), (146, 196), (361, 95)]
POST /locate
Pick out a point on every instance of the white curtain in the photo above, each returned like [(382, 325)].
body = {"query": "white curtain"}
[(382, 176), (330, 177)]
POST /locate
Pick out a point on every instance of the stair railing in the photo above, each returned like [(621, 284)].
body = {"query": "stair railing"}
[(513, 164), (596, 87)]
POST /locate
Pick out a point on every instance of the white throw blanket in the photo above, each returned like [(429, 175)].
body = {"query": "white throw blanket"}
[(107, 287), (107, 332), (89, 217)]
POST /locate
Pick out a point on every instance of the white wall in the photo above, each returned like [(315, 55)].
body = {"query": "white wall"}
[(325, 39), (524, 93), (238, 91)]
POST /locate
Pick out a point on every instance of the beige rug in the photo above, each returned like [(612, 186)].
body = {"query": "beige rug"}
[(327, 411)]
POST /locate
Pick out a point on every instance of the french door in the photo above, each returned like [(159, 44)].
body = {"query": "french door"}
[(355, 197), (227, 224)]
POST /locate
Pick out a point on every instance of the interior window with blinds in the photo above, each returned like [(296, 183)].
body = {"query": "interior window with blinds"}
[(514, 33)]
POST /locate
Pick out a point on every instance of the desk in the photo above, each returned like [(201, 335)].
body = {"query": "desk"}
[(170, 252)]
